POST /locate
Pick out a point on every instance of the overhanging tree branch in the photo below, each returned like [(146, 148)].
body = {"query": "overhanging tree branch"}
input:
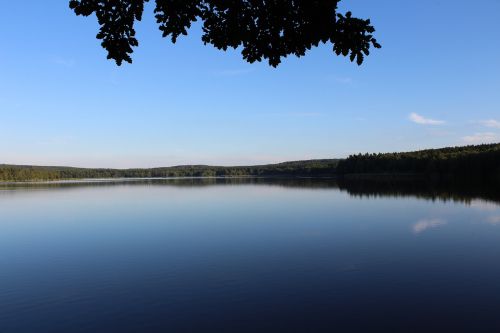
[(263, 29)]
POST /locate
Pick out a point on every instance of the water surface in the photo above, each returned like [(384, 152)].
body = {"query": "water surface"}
[(247, 256)]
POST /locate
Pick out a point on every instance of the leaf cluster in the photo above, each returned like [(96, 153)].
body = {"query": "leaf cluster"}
[(263, 29)]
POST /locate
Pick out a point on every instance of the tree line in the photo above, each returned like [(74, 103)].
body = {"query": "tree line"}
[(469, 162), (475, 161), (310, 168)]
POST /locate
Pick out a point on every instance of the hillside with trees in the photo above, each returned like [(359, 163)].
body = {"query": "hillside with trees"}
[(310, 168), (479, 162)]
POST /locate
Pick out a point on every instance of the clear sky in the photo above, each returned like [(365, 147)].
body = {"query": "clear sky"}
[(435, 82)]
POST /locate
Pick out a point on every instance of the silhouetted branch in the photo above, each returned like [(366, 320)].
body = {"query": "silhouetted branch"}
[(263, 29)]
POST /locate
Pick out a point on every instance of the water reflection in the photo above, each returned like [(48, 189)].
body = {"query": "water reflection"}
[(421, 188), (424, 224), (494, 219), (248, 255), (477, 195)]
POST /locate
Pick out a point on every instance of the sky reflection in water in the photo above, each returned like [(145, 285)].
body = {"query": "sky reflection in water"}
[(246, 256)]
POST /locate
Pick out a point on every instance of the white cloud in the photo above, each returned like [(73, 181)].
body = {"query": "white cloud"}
[(425, 224), (484, 137), (490, 123), (416, 118)]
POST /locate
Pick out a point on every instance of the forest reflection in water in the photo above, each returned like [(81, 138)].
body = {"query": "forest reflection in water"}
[(249, 255), (365, 187)]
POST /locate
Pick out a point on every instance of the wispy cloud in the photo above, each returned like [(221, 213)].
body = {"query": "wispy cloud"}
[(425, 224), (484, 137), (416, 118), (490, 123), (63, 61)]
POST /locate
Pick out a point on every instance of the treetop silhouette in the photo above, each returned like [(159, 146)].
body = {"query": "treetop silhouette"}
[(263, 29)]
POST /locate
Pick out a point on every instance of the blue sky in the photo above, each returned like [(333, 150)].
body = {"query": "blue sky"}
[(435, 82)]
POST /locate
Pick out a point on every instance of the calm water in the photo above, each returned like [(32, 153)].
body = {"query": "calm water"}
[(247, 256)]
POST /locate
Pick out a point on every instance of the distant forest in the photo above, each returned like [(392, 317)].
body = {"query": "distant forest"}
[(311, 168), (471, 162), (478, 162)]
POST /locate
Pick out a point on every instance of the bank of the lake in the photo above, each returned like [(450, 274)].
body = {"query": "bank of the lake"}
[(477, 163)]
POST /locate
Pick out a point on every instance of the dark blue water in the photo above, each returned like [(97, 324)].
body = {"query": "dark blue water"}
[(192, 256)]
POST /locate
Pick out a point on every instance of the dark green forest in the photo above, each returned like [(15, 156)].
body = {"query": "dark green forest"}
[(310, 168), (478, 162), (469, 162)]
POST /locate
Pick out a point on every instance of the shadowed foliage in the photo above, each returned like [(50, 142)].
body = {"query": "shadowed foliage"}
[(262, 29), (469, 162), (310, 168), (474, 163)]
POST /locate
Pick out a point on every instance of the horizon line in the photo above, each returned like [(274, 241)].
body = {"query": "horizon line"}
[(241, 166)]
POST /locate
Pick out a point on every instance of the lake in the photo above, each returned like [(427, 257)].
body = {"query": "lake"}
[(215, 255)]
